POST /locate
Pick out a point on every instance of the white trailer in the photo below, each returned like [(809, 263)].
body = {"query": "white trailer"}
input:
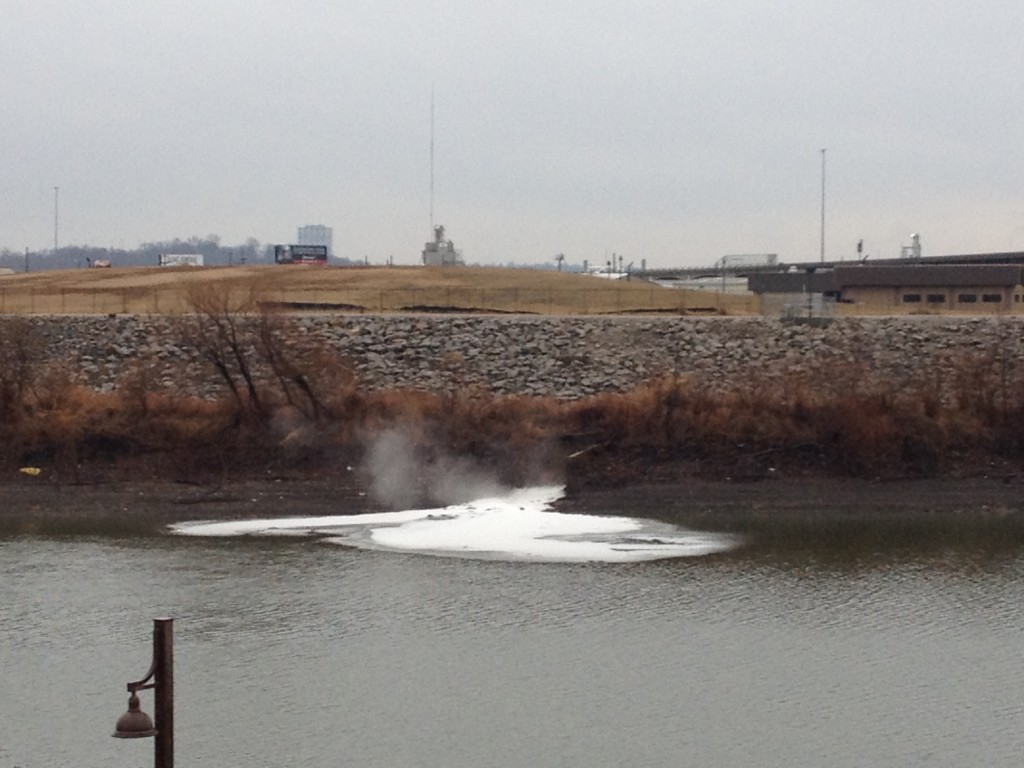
[(740, 260), (181, 259)]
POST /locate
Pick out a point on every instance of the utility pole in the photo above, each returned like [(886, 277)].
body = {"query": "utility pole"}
[(431, 157), (56, 218), (823, 205)]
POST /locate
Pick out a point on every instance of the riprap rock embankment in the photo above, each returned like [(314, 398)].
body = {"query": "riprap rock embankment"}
[(565, 357)]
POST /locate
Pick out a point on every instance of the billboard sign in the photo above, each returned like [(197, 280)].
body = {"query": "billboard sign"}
[(300, 254)]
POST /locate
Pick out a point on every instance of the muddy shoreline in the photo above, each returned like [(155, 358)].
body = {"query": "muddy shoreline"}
[(963, 507)]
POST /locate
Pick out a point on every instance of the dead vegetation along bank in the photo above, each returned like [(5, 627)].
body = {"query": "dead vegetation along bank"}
[(298, 408)]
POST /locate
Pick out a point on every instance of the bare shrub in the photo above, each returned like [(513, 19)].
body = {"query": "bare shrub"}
[(56, 417), (309, 375), (20, 355), (261, 356), (220, 329)]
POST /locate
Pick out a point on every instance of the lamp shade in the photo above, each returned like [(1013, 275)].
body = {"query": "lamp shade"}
[(134, 724)]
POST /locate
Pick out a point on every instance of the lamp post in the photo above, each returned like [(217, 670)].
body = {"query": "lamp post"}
[(56, 217), (823, 206), (135, 723)]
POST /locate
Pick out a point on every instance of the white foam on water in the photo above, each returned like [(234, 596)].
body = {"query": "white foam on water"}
[(520, 525)]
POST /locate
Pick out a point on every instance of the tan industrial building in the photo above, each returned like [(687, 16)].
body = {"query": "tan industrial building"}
[(902, 289)]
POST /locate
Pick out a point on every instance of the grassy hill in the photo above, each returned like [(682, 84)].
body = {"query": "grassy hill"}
[(160, 290)]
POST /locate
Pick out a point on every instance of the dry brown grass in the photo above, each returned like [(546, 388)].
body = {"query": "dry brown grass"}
[(959, 416), (672, 424), (156, 290)]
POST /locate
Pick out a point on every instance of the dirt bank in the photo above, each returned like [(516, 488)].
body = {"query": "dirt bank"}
[(143, 508), (820, 508)]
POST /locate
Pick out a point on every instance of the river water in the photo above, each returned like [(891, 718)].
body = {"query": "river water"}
[(293, 650)]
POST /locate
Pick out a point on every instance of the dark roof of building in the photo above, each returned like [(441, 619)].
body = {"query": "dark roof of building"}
[(998, 257), (792, 282), (931, 276), (840, 278), (967, 259)]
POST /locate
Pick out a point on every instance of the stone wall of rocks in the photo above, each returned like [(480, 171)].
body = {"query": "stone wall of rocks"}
[(568, 357)]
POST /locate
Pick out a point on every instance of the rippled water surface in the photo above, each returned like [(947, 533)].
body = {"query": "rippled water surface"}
[(297, 652)]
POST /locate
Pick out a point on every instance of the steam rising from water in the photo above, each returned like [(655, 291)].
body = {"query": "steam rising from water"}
[(517, 525), (401, 475)]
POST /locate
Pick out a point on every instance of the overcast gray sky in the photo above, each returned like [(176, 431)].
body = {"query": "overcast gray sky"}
[(675, 132)]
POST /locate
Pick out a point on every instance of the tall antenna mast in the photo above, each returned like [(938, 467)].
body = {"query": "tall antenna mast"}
[(823, 205), (431, 156)]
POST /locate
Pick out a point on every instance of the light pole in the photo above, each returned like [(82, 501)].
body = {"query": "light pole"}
[(823, 205), (135, 723), (56, 217)]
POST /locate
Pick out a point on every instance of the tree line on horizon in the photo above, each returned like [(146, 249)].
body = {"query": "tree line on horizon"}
[(214, 253)]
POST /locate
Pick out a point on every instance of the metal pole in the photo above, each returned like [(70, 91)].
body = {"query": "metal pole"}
[(163, 690), (823, 205), (431, 157), (56, 217)]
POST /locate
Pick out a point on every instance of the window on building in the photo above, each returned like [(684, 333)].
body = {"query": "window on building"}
[(936, 298), (991, 298), (911, 298), (967, 298)]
